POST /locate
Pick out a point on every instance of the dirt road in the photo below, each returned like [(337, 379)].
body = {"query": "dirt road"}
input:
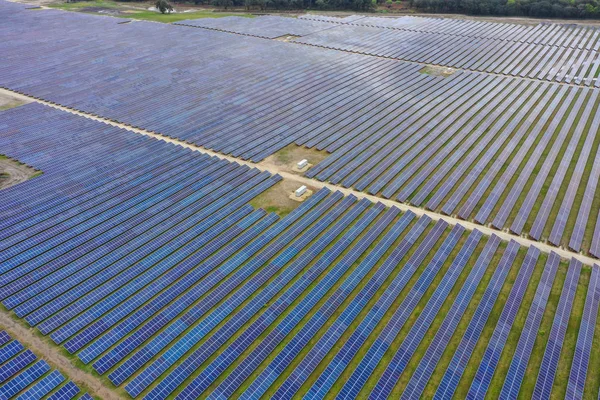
[(272, 168), (50, 354)]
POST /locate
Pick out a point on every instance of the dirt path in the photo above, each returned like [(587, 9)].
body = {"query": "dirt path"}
[(318, 185), (48, 353), (12, 173)]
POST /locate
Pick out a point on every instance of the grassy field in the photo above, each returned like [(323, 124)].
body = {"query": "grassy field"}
[(125, 10)]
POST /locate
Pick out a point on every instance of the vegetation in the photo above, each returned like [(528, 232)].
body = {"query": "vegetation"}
[(142, 14), (529, 8), (164, 6)]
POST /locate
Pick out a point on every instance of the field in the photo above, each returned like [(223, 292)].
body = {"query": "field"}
[(448, 247)]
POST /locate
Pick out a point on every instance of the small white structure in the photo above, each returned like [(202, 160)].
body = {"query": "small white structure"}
[(300, 191), (303, 164)]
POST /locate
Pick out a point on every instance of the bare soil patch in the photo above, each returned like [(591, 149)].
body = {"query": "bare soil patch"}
[(44, 348), (435, 70), (13, 172), (286, 38), (7, 101), (287, 158), (277, 198), (102, 10)]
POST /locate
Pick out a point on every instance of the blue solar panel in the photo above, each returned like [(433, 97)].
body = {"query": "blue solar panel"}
[(67, 392), (463, 352), (549, 364), (4, 338), (258, 302), (43, 386), (24, 379), (492, 354), (418, 331), (261, 383), (585, 337), (341, 360), (144, 258), (518, 365), (297, 377), (16, 364), (177, 350), (267, 345), (436, 348), (10, 350), (202, 381)]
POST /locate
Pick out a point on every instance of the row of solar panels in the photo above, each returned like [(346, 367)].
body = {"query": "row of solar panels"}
[(558, 53), (410, 136), (206, 73), (267, 26), (432, 141), (178, 292), (564, 35), (480, 146), (24, 377), (579, 66)]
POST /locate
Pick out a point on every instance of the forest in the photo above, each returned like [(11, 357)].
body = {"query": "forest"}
[(528, 8)]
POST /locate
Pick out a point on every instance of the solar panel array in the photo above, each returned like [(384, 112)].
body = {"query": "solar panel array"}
[(145, 261), (260, 83), (549, 365), (473, 146), (574, 59), (23, 376), (567, 35), (554, 52), (267, 26), (170, 291), (439, 143)]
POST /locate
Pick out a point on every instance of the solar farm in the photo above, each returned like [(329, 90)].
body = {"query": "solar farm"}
[(24, 376), (447, 245)]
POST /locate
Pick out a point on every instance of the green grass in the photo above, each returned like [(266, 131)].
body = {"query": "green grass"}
[(130, 13), (516, 329), (568, 352), (442, 365), (486, 334), (85, 4), (167, 18), (537, 354)]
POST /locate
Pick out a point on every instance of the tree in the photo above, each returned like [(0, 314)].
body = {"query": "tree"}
[(223, 3), (164, 6)]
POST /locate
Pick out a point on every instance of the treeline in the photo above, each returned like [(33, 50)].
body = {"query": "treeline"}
[(529, 8), (358, 5)]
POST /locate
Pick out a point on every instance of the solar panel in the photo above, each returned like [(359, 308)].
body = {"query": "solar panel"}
[(490, 358), (585, 337), (297, 377), (270, 342), (549, 364), (520, 359), (261, 383), (346, 353), (463, 352)]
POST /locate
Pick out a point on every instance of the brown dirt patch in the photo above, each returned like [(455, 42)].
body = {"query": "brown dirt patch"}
[(277, 198), (287, 158), (13, 172), (7, 101), (286, 38), (44, 348), (435, 70)]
